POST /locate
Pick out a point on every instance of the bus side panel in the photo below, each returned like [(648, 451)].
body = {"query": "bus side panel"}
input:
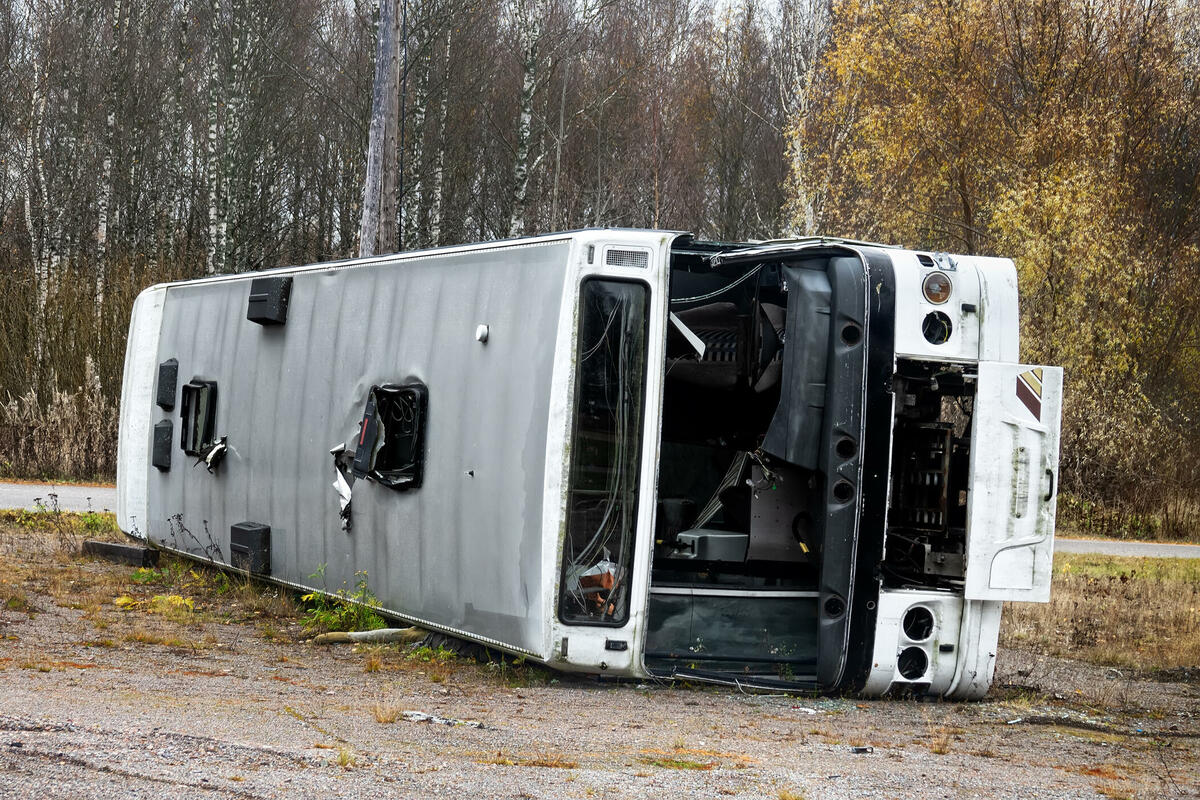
[(461, 552)]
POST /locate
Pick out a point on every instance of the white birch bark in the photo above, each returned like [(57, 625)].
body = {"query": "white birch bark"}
[(106, 167), (35, 184), (439, 167), (177, 143), (368, 231), (392, 158), (235, 166), (529, 32), (803, 36), (215, 245), (414, 193)]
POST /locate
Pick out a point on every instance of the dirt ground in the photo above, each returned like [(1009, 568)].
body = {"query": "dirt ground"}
[(177, 683)]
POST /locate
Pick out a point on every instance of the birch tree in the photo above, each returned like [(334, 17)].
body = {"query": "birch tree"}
[(382, 89)]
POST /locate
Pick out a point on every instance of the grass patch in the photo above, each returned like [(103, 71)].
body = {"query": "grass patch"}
[(1140, 613), (544, 761), (343, 610), (664, 762), (386, 713), (145, 636)]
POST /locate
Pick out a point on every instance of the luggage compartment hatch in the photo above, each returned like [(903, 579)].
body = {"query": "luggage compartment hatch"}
[(1014, 468)]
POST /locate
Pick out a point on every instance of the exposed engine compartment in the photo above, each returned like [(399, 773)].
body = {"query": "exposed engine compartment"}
[(931, 449)]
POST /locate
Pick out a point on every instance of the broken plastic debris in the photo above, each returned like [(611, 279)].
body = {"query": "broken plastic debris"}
[(421, 716), (861, 750), (343, 481)]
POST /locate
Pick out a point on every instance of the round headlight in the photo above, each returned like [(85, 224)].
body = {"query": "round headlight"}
[(937, 287)]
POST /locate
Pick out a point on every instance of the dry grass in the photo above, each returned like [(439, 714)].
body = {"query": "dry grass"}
[(541, 760), (163, 606), (387, 713), (1141, 613), (74, 434), (678, 763)]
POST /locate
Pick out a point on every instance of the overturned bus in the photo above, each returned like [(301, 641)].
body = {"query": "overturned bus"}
[(812, 463)]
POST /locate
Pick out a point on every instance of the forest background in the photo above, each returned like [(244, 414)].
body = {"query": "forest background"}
[(152, 140)]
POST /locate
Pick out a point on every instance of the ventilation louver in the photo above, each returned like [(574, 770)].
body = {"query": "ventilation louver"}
[(627, 258)]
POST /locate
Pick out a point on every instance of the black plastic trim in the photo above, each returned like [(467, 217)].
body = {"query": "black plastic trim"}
[(269, 297), (877, 454), (841, 493), (160, 453), (168, 382)]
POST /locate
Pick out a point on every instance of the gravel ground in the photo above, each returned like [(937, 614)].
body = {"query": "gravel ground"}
[(237, 707)]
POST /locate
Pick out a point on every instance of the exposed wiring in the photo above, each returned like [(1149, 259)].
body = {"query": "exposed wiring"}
[(682, 300)]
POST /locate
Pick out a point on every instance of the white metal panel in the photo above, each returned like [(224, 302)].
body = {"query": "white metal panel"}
[(911, 308), (890, 640), (1014, 475), (137, 393)]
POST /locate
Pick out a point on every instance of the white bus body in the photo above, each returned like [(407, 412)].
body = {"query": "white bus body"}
[(811, 463)]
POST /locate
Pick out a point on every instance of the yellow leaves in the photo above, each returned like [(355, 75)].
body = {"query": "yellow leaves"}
[(167, 604), (171, 606), (1042, 132)]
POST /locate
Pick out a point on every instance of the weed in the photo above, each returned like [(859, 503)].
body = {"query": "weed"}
[(433, 655), (547, 761), (518, 672), (172, 607), (343, 610), (374, 663), (93, 522), (17, 602), (143, 636), (788, 794), (386, 713), (677, 763), (345, 759), (144, 576), (940, 743)]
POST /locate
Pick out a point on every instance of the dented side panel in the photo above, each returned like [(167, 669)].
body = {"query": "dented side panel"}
[(463, 552)]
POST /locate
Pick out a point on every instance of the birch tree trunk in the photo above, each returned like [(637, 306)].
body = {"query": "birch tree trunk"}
[(368, 231), (106, 188), (439, 168), (215, 261), (803, 35), (414, 194), (529, 33), (35, 185), (177, 144), (392, 157)]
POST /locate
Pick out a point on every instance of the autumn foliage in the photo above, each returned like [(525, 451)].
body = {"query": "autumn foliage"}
[(1064, 134), (150, 140)]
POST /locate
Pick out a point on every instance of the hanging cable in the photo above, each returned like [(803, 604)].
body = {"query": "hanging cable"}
[(722, 290)]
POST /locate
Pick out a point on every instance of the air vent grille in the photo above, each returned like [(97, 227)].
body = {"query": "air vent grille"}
[(926, 261), (627, 258)]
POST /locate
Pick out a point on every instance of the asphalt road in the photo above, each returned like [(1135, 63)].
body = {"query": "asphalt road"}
[(104, 498), (69, 497)]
